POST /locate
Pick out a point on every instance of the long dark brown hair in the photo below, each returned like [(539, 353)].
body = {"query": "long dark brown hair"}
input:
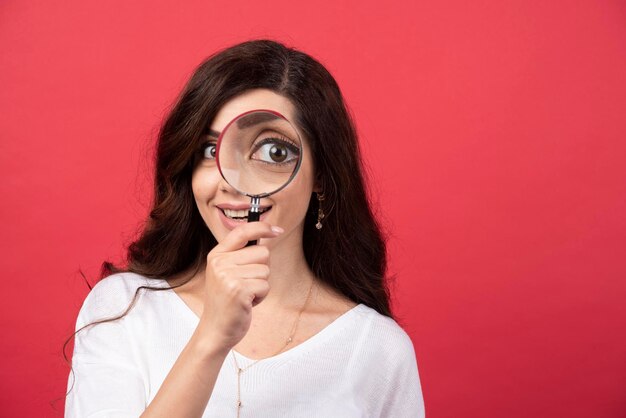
[(348, 253)]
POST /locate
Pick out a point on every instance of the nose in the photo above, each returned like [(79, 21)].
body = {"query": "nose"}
[(225, 187)]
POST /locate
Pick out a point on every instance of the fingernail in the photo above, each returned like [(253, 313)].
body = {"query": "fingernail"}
[(277, 230)]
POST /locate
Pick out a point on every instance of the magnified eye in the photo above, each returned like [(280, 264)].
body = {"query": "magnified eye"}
[(275, 151), (209, 151)]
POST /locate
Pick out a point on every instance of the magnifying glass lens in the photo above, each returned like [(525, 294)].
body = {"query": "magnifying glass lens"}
[(259, 152)]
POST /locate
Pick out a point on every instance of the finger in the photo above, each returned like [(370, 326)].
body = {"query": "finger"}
[(239, 237), (258, 290), (255, 254), (248, 271)]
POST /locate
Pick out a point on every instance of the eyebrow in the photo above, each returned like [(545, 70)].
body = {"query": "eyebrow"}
[(254, 119), (248, 121)]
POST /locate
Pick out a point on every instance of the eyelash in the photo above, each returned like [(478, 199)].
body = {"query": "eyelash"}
[(278, 138), (270, 139), (204, 146)]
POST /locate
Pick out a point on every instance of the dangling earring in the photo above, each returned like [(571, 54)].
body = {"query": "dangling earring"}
[(320, 212)]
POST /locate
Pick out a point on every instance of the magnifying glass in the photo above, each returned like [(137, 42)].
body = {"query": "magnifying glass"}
[(258, 153)]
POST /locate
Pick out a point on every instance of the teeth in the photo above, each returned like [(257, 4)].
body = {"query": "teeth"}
[(240, 213), (236, 213)]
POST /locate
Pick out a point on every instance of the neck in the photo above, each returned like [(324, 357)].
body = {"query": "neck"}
[(290, 276)]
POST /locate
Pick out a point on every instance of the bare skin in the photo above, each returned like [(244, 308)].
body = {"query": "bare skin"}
[(229, 298), (246, 298), (270, 326)]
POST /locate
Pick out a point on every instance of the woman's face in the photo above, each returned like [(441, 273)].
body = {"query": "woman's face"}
[(218, 202)]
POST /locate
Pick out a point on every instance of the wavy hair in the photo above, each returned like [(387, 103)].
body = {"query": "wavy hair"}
[(348, 254)]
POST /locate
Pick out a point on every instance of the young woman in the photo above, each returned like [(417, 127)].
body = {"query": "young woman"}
[(199, 324)]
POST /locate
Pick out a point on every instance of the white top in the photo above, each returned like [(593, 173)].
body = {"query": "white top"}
[(361, 365)]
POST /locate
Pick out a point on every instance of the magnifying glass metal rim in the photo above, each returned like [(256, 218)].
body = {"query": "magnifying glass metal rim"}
[(219, 142)]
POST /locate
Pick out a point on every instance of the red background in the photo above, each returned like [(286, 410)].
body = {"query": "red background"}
[(494, 135)]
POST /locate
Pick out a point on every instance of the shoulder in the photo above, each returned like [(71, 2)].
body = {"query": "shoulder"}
[(388, 356), (111, 296), (116, 287), (384, 338)]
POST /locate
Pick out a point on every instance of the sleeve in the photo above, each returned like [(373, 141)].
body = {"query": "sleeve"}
[(395, 388), (404, 397), (105, 382)]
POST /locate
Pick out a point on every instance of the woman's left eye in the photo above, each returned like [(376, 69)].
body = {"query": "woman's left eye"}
[(275, 151), (209, 151)]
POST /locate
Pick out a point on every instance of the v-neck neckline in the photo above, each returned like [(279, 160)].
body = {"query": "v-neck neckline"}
[(315, 340)]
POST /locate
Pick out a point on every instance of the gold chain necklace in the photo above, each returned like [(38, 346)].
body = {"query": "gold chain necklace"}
[(289, 340)]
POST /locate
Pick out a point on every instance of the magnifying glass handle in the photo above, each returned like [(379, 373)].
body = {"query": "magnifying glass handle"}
[(254, 215)]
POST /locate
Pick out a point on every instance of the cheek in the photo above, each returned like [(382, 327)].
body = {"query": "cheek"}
[(297, 194), (203, 184)]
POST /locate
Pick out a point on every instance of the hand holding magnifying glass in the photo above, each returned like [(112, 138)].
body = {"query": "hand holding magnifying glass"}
[(258, 153)]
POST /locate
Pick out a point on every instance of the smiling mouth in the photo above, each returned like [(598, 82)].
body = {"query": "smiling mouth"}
[(240, 214)]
